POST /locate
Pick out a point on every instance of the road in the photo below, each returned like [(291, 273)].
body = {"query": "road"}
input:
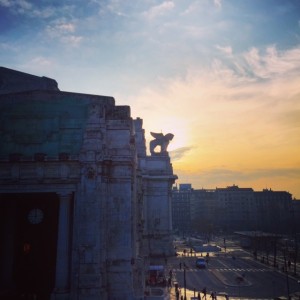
[(256, 280)]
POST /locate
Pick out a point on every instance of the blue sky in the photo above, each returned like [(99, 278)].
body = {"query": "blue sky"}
[(222, 75)]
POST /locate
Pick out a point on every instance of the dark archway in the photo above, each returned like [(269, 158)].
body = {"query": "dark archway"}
[(28, 232)]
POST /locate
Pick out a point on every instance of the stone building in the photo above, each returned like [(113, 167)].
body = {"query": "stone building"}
[(234, 209), (274, 205), (296, 215), (182, 209), (237, 209), (79, 197), (204, 211)]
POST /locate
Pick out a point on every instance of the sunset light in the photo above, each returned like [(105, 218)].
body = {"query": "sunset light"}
[(222, 76)]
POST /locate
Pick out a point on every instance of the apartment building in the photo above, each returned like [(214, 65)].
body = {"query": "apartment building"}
[(233, 209), (181, 209)]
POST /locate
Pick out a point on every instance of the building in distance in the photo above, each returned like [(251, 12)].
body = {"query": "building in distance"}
[(233, 209)]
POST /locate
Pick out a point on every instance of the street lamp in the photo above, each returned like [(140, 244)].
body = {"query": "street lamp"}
[(286, 270), (184, 282)]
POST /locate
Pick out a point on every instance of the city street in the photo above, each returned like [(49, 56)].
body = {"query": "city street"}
[(235, 273)]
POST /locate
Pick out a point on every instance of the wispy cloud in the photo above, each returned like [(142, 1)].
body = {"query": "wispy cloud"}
[(197, 69), (23, 7), (179, 153), (41, 61), (159, 10), (38, 64), (272, 62), (246, 175), (225, 49), (229, 113), (64, 31), (72, 40), (17, 6), (258, 179), (218, 3), (6, 3), (8, 47)]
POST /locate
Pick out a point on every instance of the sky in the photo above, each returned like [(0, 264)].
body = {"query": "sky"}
[(222, 75)]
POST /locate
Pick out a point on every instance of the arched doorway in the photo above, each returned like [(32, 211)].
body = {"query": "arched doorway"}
[(28, 231)]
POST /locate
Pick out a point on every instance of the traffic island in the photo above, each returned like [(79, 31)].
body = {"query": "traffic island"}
[(234, 280)]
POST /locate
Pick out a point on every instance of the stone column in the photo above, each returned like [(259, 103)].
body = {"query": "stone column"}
[(158, 180), (62, 275)]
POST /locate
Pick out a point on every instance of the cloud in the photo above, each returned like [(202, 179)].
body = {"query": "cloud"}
[(38, 64), (232, 115), (229, 98), (41, 61), (72, 40), (284, 178), (194, 6), (8, 47), (272, 62), (25, 8), (44, 13), (225, 49), (179, 153), (246, 175), (24, 5), (64, 31), (218, 3), (18, 6), (65, 27), (113, 7), (159, 10), (6, 3)]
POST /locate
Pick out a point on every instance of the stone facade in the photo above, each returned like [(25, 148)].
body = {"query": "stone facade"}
[(158, 181), (79, 197)]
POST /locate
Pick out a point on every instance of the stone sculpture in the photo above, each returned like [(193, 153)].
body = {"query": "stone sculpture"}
[(160, 140)]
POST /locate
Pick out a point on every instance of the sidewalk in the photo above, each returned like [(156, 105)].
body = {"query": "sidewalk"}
[(190, 295)]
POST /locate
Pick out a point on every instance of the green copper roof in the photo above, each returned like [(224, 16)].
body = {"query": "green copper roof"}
[(49, 122)]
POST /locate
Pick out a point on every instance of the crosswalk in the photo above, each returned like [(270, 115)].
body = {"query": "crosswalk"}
[(225, 270)]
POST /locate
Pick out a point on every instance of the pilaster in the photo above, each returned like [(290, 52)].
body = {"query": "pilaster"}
[(62, 276), (158, 180)]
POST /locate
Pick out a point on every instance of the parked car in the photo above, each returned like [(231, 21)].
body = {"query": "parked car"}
[(200, 263)]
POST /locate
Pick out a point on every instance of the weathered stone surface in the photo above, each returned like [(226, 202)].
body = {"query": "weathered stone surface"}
[(89, 155), (158, 178)]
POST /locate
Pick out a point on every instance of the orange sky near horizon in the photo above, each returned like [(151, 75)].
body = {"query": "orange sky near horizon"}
[(228, 131)]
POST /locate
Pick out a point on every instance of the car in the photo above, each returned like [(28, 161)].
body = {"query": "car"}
[(200, 263)]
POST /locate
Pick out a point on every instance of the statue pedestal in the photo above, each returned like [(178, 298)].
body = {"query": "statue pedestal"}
[(158, 182)]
